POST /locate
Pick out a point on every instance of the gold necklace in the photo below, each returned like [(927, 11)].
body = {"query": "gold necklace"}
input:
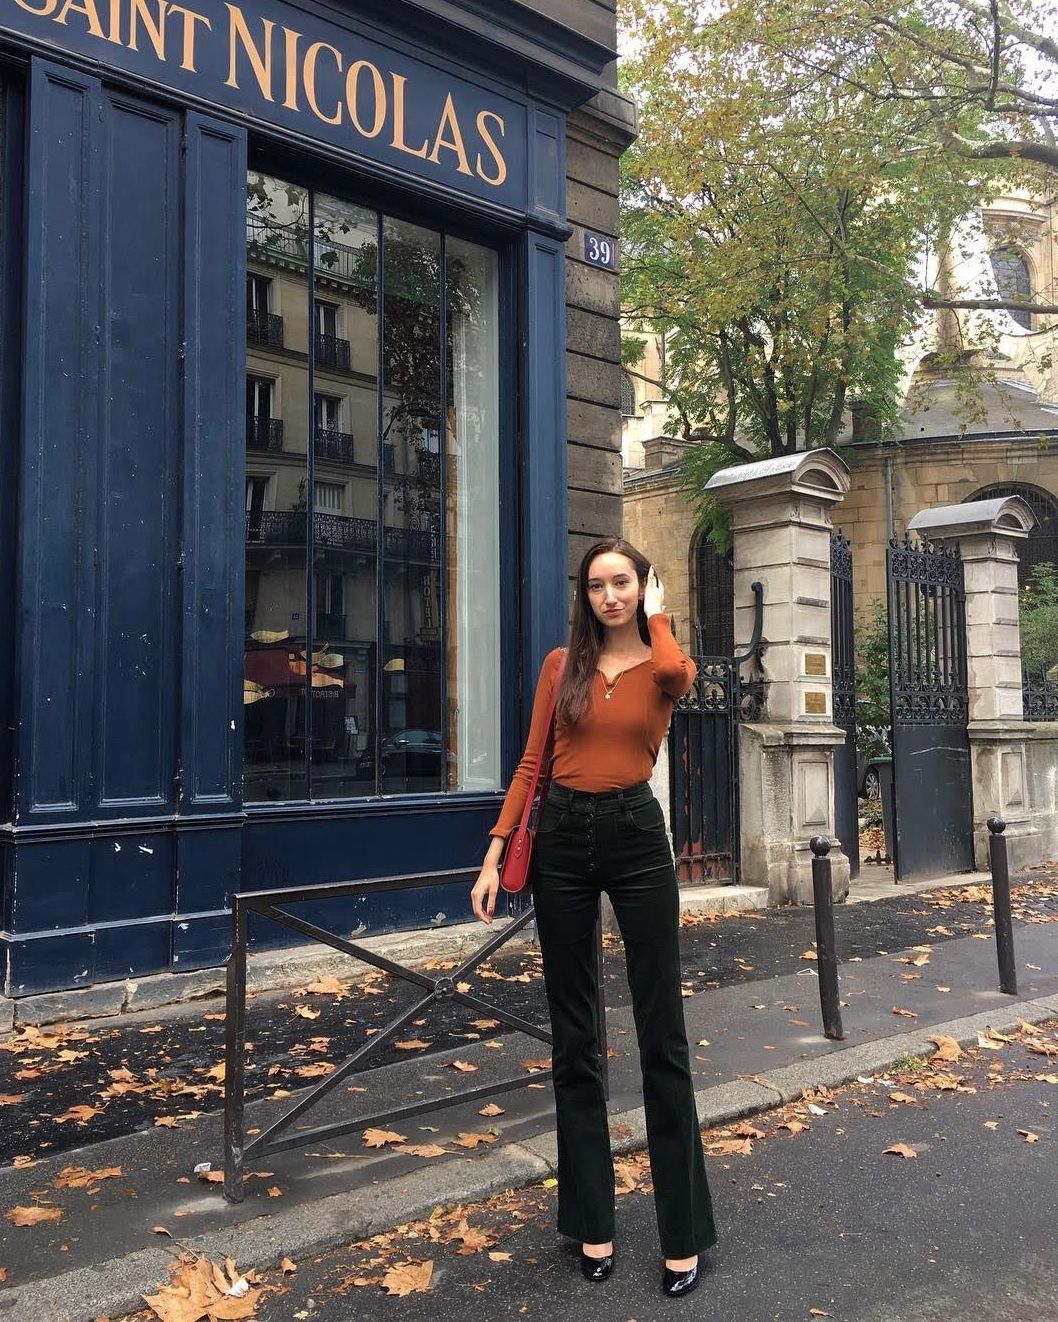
[(608, 686)]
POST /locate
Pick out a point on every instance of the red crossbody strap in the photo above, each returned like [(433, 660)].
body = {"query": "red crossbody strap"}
[(548, 735)]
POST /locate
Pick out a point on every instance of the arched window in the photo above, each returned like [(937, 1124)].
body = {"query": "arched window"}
[(628, 396), (1041, 545), (714, 597), (1011, 272)]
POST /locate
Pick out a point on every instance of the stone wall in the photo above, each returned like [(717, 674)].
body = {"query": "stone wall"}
[(597, 135), (660, 520), (923, 476)]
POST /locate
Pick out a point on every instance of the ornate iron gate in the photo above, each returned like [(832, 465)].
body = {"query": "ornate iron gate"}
[(843, 674), (703, 760), (933, 812)]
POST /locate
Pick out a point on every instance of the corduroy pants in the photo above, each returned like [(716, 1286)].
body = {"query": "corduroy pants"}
[(616, 842)]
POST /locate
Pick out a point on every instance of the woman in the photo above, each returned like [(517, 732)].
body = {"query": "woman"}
[(602, 829)]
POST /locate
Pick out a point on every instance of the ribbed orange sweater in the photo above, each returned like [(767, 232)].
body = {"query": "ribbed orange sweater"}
[(615, 743)]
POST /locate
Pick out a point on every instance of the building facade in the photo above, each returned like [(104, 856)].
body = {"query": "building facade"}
[(309, 363)]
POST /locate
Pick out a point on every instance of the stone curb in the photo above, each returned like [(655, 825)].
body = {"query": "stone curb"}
[(116, 1287)]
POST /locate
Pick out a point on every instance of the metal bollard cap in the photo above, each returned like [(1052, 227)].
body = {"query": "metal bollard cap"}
[(820, 846), (996, 825)]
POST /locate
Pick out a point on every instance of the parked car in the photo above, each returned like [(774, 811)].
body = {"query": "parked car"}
[(869, 766), (413, 755)]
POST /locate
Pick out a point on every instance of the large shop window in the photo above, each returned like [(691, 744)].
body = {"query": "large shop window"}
[(372, 494)]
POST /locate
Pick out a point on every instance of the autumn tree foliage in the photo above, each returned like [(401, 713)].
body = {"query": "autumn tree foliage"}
[(796, 162)]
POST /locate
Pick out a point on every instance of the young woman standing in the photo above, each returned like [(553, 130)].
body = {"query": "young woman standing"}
[(602, 829)]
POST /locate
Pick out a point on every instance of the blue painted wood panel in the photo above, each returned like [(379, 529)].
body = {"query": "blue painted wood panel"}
[(213, 552)]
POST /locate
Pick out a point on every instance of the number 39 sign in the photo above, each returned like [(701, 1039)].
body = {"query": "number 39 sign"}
[(599, 250)]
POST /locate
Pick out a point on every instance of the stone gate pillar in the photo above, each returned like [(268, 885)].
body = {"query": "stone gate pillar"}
[(988, 533), (781, 526)]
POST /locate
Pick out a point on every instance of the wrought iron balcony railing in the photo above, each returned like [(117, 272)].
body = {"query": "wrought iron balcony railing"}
[(1039, 697), (264, 328), (289, 527), (334, 444), (332, 351), (264, 433)]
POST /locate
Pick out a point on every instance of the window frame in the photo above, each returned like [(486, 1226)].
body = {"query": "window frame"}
[(451, 219)]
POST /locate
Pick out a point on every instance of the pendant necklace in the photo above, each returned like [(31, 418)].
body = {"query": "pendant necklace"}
[(608, 686)]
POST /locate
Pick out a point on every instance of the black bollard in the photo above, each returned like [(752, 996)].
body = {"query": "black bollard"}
[(997, 854), (827, 960)]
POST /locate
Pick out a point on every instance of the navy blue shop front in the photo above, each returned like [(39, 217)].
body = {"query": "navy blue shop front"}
[(123, 412)]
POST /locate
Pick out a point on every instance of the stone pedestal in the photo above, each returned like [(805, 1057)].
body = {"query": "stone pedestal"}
[(781, 525), (987, 532)]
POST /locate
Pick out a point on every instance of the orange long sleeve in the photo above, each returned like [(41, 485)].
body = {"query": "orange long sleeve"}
[(615, 743)]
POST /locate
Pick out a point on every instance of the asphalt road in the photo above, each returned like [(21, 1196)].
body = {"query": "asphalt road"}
[(164, 1063), (820, 1219)]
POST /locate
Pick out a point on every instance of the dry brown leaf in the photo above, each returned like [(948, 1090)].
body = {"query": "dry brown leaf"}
[(167, 1122), (730, 1147), (818, 1312), (305, 1012), (1042, 1048), (408, 1278), (3, 1275), (79, 1177), (161, 1230), (490, 1109), (794, 1126), (463, 1066), (21, 1162), (328, 985), (809, 954), (211, 1177), (484, 1023), (380, 1138), (416, 1044), (33, 1216), (288, 1267), (218, 1018), (907, 1014), (535, 1066), (900, 1150), (11, 1098), (215, 1072), (422, 1149), (275, 1191), (947, 1048), (81, 1114), (1029, 1136), (497, 1256), (475, 1140), (473, 1240), (991, 1124), (903, 1097)]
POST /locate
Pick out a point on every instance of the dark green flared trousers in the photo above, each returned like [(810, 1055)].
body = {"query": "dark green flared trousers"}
[(615, 842)]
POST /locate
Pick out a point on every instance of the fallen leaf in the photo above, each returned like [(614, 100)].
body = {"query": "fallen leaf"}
[(535, 1066), (3, 1275), (475, 1140), (463, 1066), (904, 1097), (408, 1278), (497, 1256), (155, 1028), (416, 1044), (818, 1312), (11, 1098), (33, 1216), (79, 1177), (704, 1042), (987, 1043), (900, 1150), (947, 1048), (275, 1191), (211, 1177), (809, 954), (160, 1230), (380, 1138), (288, 1267), (907, 1014), (490, 1109), (484, 1023), (991, 1124), (1029, 1136), (167, 1122), (746, 1130), (422, 1149), (794, 1126), (305, 1012), (328, 985), (81, 1114)]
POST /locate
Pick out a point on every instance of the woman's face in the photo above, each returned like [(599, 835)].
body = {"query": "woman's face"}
[(614, 591)]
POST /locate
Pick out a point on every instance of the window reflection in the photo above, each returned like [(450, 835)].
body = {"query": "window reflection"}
[(348, 694)]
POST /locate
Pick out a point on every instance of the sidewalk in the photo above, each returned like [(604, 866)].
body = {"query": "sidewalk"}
[(754, 1044)]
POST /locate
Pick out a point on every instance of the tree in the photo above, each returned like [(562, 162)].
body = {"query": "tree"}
[(772, 229), (1039, 621)]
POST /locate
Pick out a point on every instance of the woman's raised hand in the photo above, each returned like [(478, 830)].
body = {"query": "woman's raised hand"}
[(486, 888), (654, 594)]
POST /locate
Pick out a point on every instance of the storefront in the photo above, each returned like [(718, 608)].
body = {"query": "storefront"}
[(283, 419)]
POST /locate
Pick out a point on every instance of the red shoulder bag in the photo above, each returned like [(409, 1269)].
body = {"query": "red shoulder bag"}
[(518, 850)]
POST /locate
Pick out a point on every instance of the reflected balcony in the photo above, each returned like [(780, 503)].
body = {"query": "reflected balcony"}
[(264, 434), (334, 444), (289, 528), (333, 351), (264, 328)]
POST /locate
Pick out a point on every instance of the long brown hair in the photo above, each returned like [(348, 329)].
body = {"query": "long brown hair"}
[(586, 631)]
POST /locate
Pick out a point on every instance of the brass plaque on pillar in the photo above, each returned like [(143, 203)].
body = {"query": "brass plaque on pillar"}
[(815, 703), (815, 663)]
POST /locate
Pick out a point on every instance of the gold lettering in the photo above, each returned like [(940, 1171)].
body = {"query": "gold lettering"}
[(450, 120), (490, 142), (398, 120), (88, 8), (114, 35), (311, 56), (352, 80), (155, 30), (46, 11), (239, 35), (190, 19), (290, 61)]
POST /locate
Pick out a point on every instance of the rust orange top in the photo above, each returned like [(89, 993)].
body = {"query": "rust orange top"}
[(615, 743)]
